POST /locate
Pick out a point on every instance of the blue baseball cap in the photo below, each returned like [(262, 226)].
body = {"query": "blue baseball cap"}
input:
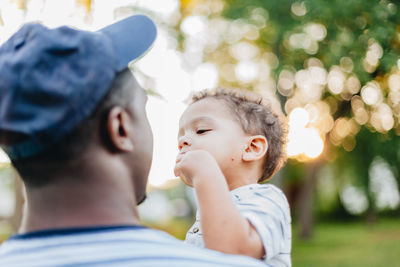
[(52, 79)]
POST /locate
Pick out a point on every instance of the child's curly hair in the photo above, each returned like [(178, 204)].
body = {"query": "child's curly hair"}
[(255, 115)]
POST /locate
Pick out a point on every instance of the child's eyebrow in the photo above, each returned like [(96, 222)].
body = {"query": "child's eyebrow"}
[(201, 119)]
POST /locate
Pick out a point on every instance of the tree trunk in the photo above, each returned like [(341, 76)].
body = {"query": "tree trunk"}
[(306, 201)]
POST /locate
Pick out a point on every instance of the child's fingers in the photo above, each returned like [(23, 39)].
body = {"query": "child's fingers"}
[(177, 171), (177, 164), (185, 180), (178, 159)]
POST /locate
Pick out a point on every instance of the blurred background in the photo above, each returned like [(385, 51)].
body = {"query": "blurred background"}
[(332, 67)]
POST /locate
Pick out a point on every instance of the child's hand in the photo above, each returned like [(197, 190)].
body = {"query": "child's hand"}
[(195, 165)]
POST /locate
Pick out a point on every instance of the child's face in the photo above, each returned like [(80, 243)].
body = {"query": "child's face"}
[(209, 124)]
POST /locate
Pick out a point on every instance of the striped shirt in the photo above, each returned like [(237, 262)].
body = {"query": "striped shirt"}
[(110, 246), (266, 208)]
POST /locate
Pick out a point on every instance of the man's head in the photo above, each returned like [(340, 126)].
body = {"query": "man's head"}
[(65, 91), (265, 131)]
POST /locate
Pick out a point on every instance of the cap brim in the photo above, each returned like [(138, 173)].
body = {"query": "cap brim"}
[(131, 38)]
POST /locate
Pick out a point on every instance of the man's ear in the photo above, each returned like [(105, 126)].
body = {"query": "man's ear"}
[(256, 148), (119, 125)]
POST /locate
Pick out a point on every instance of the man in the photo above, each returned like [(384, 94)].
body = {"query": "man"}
[(72, 120)]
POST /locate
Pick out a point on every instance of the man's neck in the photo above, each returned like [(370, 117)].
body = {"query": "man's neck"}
[(100, 201)]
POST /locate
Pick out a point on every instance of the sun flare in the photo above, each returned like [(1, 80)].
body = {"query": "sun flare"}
[(303, 140)]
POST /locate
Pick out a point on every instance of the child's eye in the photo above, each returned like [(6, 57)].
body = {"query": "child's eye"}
[(202, 131)]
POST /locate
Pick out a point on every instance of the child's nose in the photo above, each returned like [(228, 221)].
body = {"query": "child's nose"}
[(183, 141)]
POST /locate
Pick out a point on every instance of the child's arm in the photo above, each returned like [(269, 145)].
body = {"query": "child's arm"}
[(224, 228)]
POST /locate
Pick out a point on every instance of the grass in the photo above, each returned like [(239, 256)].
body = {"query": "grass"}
[(338, 244), (350, 244)]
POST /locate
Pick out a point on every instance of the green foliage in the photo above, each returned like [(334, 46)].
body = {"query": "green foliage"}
[(5, 231), (370, 145), (350, 27)]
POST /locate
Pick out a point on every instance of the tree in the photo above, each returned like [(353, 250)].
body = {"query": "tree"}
[(339, 60)]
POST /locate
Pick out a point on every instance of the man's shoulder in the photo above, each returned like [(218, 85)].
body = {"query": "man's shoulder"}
[(116, 247)]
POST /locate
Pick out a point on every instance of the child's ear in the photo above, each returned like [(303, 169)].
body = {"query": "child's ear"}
[(256, 148)]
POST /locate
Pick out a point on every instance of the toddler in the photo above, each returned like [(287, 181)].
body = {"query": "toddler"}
[(229, 143)]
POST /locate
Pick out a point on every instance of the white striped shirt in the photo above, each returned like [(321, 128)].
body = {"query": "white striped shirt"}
[(109, 246), (267, 209)]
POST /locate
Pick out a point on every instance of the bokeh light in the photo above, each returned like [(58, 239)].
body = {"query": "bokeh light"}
[(303, 140), (371, 94)]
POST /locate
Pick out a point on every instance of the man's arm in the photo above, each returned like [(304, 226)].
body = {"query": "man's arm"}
[(224, 228)]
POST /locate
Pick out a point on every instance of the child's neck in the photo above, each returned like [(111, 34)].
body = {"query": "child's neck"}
[(239, 182), (244, 175)]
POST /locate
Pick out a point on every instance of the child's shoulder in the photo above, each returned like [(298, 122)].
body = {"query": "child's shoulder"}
[(259, 193), (258, 189), (262, 202)]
